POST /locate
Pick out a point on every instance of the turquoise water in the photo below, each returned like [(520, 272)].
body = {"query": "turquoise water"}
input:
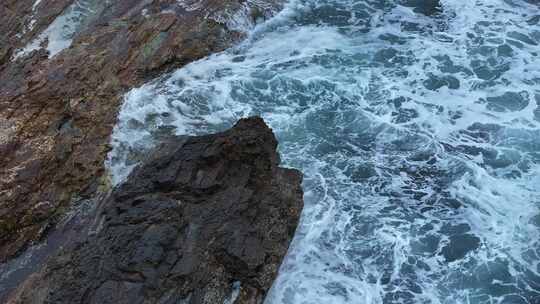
[(417, 126)]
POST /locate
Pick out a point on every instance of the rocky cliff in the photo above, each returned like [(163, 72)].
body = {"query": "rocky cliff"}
[(203, 220), (64, 67)]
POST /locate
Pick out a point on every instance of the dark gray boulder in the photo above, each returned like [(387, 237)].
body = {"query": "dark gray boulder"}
[(204, 220)]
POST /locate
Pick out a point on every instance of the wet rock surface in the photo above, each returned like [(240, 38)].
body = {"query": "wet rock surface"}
[(57, 111), (204, 220), (23, 19)]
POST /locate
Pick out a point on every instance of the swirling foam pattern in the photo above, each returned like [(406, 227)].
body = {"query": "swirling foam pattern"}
[(417, 125)]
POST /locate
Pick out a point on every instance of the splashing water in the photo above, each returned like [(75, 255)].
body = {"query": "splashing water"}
[(417, 127), (59, 34)]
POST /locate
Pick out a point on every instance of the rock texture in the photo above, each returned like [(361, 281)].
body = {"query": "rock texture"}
[(201, 217), (57, 112)]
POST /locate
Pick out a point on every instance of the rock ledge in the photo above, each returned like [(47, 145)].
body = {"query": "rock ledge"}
[(204, 220)]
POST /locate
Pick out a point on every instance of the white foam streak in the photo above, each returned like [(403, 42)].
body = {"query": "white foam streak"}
[(59, 34)]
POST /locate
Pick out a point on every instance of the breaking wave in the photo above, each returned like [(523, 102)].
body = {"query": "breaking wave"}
[(417, 126)]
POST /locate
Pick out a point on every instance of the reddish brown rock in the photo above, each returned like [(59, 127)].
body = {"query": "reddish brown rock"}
[(57, 112)]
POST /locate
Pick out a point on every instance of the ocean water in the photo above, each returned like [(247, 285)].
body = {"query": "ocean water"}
[(416, 125)]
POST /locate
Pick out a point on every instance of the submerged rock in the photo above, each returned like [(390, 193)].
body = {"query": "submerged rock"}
[(204, 220), (60, 92)]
